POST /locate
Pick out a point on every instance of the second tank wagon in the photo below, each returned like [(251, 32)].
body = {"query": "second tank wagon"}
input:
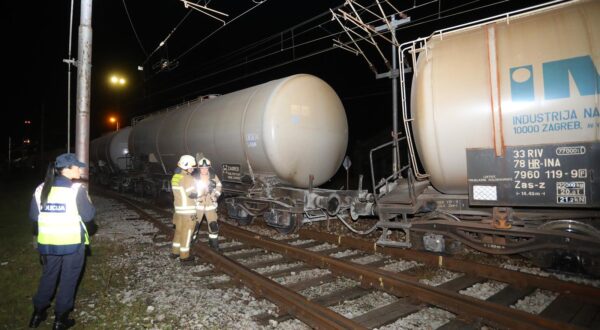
[(271, 145)]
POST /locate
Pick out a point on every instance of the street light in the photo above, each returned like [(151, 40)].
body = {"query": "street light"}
[(114, 120), (117, 80)]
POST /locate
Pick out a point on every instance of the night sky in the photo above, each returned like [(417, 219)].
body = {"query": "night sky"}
[(274, 39)]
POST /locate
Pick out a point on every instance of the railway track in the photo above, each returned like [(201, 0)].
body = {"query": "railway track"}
[(576, 306)]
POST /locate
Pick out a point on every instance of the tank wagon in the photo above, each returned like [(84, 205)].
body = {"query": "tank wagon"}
[(110, 155), (270, 144), (503, 139)]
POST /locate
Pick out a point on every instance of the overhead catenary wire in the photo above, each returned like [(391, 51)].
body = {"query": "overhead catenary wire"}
[(410, 25), (219, 29), (279, 35), (133, 28), (216, 71), (288, 30), (205, 10), (225, 57), (250, 46), (257, 3), (162, 43), (291, 30), (407, 26)]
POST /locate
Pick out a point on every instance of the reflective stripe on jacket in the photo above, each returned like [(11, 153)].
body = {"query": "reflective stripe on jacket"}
[(181, 202), (59, 222)]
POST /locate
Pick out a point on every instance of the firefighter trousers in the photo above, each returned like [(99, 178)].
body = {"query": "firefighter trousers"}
[(211, 219), (184, 229)]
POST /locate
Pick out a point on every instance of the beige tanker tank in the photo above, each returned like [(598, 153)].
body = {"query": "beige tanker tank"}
[(529, 80), (289, 128)]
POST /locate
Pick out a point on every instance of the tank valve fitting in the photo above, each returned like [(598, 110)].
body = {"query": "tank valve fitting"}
[(331, 204)]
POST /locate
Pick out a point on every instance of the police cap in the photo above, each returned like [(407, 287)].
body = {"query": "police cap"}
[(67, 160)]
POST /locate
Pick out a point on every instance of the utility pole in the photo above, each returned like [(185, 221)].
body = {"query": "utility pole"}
[(84, 75), (370, 32), (393, 74)]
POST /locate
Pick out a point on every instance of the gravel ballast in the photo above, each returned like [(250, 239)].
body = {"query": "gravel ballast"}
[(161, 293)]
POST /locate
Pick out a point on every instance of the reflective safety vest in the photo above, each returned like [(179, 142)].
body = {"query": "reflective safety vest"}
[(181, 202), (176, 179), (59, 222)]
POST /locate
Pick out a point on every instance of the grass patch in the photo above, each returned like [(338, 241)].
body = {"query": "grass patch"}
[(19, 264)]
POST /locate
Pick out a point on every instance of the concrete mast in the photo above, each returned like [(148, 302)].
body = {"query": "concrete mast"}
[(84, 78)]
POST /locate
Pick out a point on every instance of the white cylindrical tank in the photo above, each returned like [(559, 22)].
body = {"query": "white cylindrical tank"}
[(529, 80), (291, 128), (112, 149)]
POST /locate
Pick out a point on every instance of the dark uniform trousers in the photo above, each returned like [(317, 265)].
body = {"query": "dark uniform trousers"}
[(69, 267)]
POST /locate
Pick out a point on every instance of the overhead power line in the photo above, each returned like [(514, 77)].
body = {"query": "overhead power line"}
[(217, 30), (162, 43), (252, 51), (134, 31)]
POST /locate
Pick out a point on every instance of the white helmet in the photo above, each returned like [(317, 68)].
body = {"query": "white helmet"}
[(204, 162), (186, 162)]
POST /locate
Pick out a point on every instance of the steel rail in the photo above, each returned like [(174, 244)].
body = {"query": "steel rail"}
[(396, 284), (311, 313), (589, 294), (497, 314)]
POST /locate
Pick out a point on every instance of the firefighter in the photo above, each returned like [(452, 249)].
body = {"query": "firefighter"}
[(185, 210), (206, 188), (60, 210)]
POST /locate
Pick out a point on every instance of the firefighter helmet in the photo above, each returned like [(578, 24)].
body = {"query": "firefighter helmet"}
[(204, 162), (186, 162)]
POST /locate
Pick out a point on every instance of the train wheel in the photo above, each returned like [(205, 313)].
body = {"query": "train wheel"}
[(293, 220), (243, 218), (570, 261), (238, 213), (245, 221), (572, 226), (284, 221), (149, 190)]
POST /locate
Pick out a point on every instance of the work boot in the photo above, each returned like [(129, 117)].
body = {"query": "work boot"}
[(187, 261), (37, 317), (173, 256), (214, 244), (62, 322)]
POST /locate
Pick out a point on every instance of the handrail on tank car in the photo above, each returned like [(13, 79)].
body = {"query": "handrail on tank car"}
[(506, 16), (411, 47), (396, 173), (202, 98)]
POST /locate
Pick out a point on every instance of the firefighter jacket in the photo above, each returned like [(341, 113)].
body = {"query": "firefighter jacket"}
[(205, 189), (60, 224), (181, 202)]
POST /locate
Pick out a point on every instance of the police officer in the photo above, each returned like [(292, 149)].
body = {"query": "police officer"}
[(205, 187), (59, 208), (185, 210)]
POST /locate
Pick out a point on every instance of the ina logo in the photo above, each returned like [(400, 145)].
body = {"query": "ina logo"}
[(556, 79)]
